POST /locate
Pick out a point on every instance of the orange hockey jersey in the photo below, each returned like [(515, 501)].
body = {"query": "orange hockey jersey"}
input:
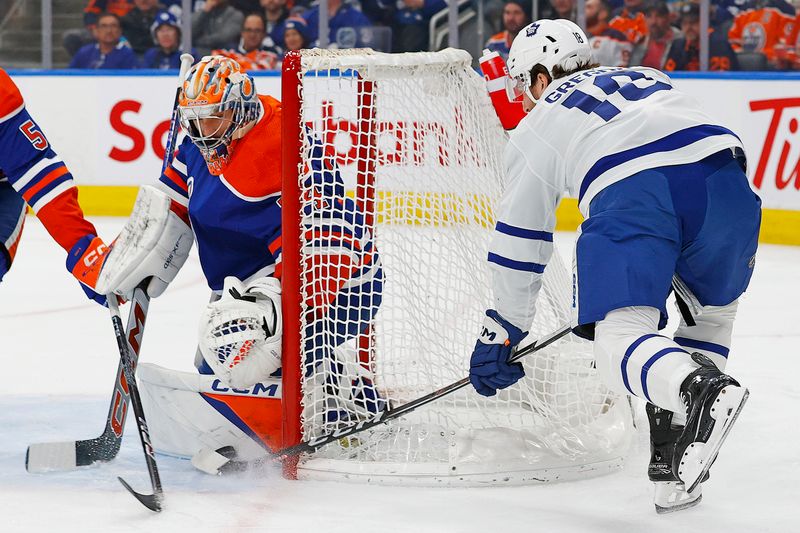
[(36, 172), (633, 25), (788, 54), (760, 30)]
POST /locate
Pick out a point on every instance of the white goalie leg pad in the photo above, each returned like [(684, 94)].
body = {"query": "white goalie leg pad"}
[(154, 242), (240, 334), (182, 422)]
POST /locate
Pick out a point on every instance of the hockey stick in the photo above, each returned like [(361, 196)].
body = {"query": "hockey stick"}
[(128, 361), (230, 465), (151, 501), (169, 148), (59, 456)]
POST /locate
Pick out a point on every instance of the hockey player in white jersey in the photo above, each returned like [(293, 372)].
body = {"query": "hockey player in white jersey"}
[(665, 200)]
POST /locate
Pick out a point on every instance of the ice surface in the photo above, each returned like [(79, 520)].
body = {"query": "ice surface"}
[(59, 358)]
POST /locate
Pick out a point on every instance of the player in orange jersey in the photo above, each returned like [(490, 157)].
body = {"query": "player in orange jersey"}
[(32, 173)]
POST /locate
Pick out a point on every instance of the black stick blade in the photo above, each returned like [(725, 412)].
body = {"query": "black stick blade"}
[(151, 501)]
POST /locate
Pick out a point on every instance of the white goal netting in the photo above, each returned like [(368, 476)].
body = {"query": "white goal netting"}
[(419, 151)]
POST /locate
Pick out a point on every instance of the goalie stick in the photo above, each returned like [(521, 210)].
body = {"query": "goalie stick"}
[(151, 501), (127, 360), (59, 456), (222, 460)]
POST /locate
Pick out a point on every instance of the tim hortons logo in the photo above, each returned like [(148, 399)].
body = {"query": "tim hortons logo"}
[(782, 141), (414, 143)]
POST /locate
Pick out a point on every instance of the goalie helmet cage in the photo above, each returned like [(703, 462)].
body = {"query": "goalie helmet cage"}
[(419, 149)]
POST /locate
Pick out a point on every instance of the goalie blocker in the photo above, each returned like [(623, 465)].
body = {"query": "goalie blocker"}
[(155, 242)]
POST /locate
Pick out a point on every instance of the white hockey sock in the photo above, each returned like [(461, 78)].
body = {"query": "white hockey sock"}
[(634, 359), (711, 335)]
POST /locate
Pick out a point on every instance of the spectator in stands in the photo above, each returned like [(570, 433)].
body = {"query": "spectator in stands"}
[(630, 20), (762, 31), (215, 25), (75, 39), (250, 53), (654, 49), (560, 9), (685, 52), (724, 12), (610, 47), (411, 24), (136, 24), (344, 21), (109, 52), (275, 12), (295, 35), (790, 56), (246, 6), (516, 15), (166, 33)]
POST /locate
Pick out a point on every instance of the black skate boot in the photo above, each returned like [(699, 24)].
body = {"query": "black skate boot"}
[(714, 401), (670, 494)]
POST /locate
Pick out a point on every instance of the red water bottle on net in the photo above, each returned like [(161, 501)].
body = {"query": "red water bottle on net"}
[(495, 72)]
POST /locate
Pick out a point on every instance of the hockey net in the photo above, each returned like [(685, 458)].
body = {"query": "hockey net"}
[(419, 150)]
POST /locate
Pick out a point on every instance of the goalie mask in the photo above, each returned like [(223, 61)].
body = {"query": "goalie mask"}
[(218, 105)]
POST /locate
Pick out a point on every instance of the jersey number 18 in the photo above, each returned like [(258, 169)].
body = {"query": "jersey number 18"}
[(614, 82)]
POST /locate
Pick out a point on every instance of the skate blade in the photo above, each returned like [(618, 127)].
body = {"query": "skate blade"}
[(671, 496), (679, 507), (699, 456)]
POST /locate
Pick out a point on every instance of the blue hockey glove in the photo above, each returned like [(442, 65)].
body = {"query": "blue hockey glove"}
[(489, 369)]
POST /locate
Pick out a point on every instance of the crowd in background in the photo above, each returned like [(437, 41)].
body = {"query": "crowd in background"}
[(743, 34), (123, 34)]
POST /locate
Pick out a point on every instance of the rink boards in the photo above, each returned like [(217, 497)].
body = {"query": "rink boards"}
[(110, 129)]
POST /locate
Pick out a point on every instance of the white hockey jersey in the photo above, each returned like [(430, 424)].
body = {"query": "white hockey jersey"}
[(586, 132)]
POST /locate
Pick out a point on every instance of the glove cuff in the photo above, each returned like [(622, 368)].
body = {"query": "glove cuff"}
[(515, 335)]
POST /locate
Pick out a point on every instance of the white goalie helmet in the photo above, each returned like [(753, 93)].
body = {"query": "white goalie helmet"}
[(548, 43)]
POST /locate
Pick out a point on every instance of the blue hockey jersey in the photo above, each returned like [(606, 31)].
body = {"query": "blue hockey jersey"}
[(236, 216), (30, 166)]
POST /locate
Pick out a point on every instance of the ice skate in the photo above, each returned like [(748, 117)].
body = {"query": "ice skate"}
[(670, 493), (714, 401)]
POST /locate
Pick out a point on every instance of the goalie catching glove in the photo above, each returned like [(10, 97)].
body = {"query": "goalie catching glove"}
[(489, 368), (240, 334)]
